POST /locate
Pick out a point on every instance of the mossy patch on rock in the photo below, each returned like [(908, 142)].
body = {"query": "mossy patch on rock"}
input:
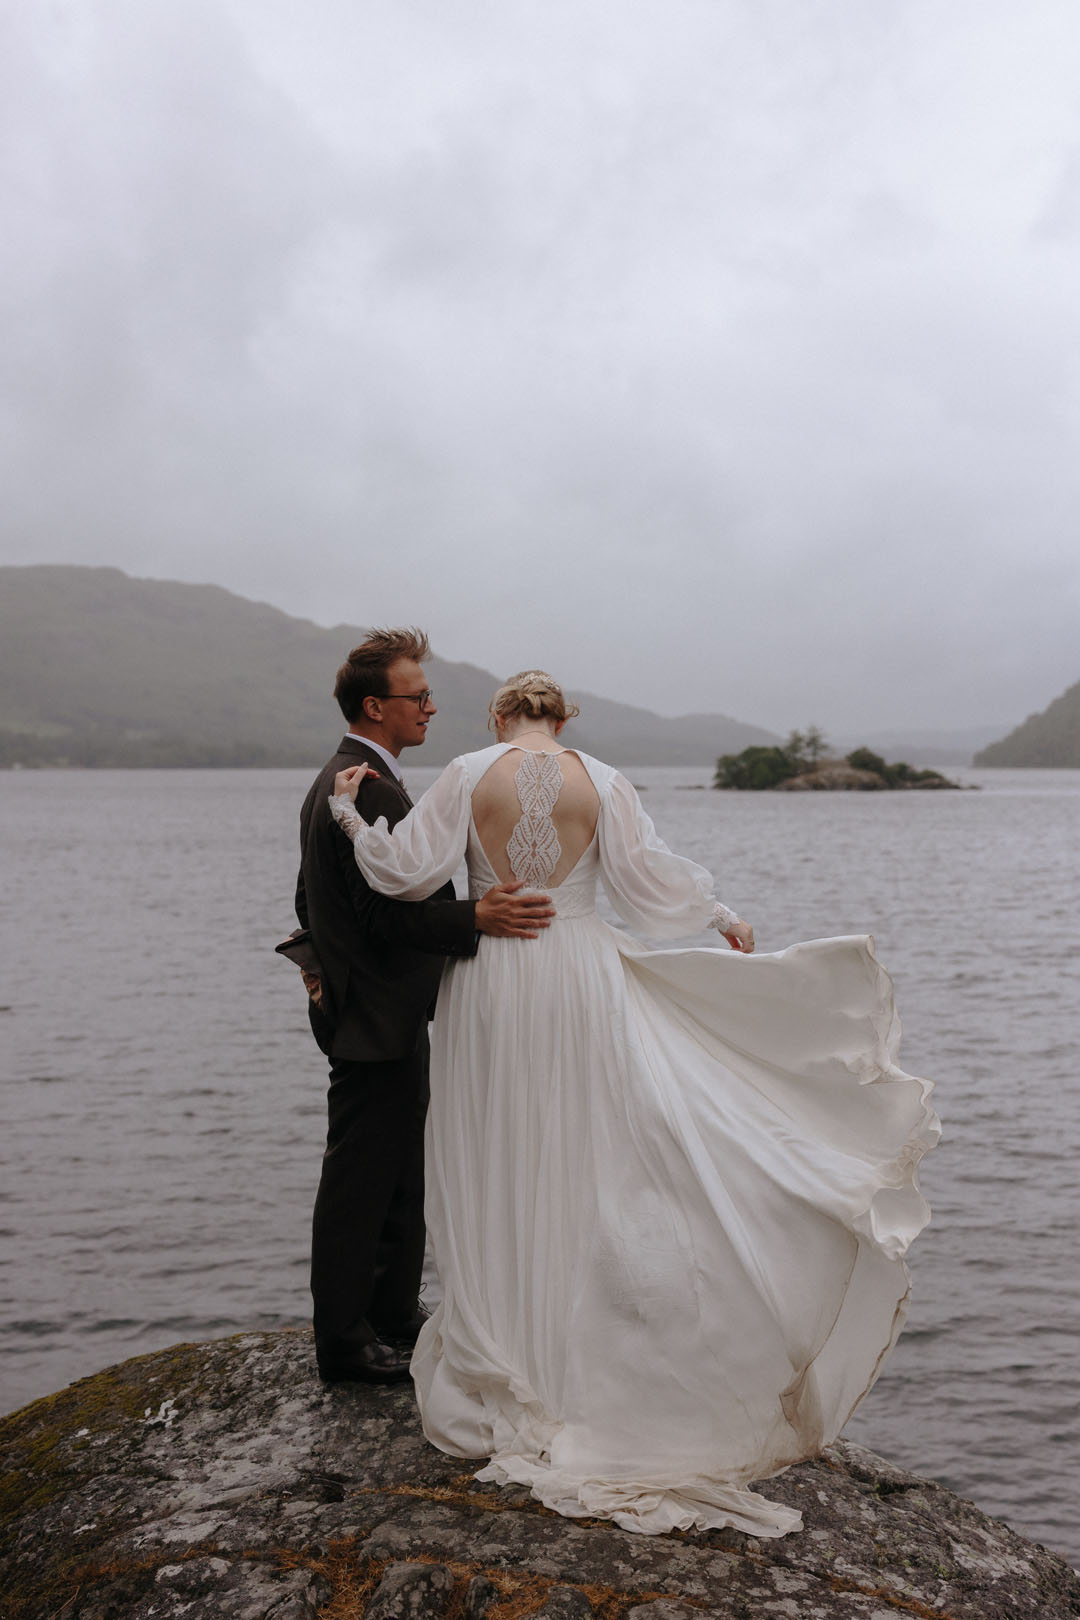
[(224, 1480)]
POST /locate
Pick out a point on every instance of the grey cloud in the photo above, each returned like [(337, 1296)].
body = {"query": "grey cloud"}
[(712, 349)]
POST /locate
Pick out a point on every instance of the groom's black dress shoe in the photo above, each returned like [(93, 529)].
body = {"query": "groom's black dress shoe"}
[(375, 1363), (406, 1332)]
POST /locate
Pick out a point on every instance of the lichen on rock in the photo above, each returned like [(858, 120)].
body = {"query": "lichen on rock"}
[(223, 1480)]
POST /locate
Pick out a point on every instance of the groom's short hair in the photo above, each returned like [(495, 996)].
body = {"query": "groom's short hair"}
[(363, 674)]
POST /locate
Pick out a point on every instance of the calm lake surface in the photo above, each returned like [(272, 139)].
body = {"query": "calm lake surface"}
[(163, 1102)]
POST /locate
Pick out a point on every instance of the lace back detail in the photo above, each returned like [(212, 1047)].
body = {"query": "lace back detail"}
[(534, 849)]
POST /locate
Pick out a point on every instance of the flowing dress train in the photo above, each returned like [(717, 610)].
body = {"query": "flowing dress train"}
[(669, 1191)]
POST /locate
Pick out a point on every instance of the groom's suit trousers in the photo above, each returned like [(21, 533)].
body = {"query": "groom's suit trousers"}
[(367, 1250)]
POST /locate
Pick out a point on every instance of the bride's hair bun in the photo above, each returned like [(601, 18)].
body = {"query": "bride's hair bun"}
[(533, 695)]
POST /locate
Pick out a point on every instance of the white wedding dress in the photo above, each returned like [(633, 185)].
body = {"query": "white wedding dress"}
[(669, 1191)]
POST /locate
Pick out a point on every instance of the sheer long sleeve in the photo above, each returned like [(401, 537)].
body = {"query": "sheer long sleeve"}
[(424, 848), (656, 892)]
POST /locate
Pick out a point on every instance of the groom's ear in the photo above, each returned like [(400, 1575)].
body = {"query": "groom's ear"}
[(371, 709)]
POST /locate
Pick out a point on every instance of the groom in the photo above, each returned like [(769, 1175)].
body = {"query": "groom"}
[(380, 963)]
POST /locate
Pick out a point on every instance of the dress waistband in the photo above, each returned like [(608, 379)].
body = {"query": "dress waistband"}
[(569, 899), (573, 900)]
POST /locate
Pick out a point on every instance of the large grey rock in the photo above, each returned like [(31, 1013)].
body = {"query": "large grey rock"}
[(565, 1603), (834, 777), (480, 1594), (222, 1481), (411, 1591)]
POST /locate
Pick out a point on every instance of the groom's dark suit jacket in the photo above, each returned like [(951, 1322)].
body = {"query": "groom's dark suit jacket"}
[(381, 959)]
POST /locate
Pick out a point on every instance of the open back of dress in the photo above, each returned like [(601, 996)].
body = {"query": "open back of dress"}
[(535, 815)]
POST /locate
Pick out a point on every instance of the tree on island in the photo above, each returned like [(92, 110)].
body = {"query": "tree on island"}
[(815, 743), (805, 748), (762, 767), (756, 768), (899, 774)]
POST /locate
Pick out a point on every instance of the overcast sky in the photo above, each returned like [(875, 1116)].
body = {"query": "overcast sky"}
[(713, 355)]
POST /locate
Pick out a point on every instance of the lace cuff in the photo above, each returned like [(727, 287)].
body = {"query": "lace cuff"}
[(346, 815), (723, 918)]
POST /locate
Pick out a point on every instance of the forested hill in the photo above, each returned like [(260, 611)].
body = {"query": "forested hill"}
[(97, 668), (1051, 738)]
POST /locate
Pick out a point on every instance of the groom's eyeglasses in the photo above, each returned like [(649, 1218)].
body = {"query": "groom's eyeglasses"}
[(423, 700)]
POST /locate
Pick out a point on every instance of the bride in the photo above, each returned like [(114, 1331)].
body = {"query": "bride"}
[(669, 1191)]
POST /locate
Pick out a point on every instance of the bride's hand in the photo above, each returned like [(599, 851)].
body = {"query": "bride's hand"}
[(349, 781), (740, 936)]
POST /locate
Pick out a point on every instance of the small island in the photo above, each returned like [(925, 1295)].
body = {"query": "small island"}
[(803, 765)]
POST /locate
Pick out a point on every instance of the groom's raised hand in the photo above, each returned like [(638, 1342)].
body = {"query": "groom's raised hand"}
[(506, 914)]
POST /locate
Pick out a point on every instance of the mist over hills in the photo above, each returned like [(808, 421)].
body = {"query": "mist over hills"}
[(945, 747), (1051, 738), (100, 669)]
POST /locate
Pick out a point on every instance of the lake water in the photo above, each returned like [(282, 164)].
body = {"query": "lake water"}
[(163, 1102)]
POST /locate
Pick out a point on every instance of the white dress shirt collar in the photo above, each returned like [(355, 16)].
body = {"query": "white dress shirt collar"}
[(381, 751)]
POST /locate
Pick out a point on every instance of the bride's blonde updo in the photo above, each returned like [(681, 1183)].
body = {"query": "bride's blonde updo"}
[(530, 695)]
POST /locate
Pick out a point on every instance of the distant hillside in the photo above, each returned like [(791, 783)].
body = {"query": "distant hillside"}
[(97, 668), (1051, 738)]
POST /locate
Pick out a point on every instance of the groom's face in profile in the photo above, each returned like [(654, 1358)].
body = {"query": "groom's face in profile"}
[(404, 721)]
